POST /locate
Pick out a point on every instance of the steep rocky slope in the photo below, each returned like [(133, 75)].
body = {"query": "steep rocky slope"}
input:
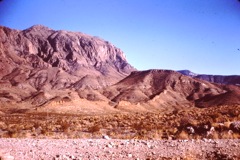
[(233, 79), (76, 55), (38, 62)]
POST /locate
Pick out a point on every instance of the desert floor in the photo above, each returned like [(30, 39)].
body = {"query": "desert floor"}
[(106, 148)]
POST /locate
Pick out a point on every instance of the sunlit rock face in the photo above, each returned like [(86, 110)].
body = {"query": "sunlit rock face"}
[(74, 55), (39, 64)]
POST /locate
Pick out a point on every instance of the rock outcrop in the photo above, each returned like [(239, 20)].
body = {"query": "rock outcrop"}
[(69, 54)]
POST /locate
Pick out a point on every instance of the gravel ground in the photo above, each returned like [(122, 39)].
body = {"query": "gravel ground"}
[(69, 149)]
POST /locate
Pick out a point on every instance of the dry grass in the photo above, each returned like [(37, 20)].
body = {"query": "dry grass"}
[(144, 125)]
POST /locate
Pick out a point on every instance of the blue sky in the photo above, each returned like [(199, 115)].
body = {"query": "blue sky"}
[(199, 35)]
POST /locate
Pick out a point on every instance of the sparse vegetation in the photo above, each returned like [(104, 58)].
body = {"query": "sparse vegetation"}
[(192, 123)]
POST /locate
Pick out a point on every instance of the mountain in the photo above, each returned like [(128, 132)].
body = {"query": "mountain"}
[(73, 54), (40, 62), (71, 72), (165, 88), (233, 79)]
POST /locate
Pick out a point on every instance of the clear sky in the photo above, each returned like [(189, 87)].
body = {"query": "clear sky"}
[(200, 35)]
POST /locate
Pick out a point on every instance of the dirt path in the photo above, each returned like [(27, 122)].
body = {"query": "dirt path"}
[(70, 149)]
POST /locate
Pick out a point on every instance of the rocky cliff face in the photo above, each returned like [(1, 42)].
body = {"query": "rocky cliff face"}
[(39, 64), (234, 79), (46, 54)]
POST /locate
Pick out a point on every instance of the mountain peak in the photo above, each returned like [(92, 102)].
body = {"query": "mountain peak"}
[(76, 54), (188, 73), (39, 27)]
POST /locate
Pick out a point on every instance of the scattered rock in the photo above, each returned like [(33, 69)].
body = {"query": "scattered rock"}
[(109, 146), (130, 155), (61, 149), (106, 137), (190, 130), (6, 157), (235, 126)]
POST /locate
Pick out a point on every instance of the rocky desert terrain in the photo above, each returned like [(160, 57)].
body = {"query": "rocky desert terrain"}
[(76, 149), (63, 87)]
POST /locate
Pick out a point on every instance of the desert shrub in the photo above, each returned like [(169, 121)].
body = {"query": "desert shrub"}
[(225, 135), (173, 130), (214, 135), (215, 116), (12, 133), (141, 134), (187, 121), (44, 131), (202, 128), (233, 113), (95, 128), (3, 125), (36, 125), (183, 135), (217, 155), (65, 126), (220, 127), (164, 135)]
